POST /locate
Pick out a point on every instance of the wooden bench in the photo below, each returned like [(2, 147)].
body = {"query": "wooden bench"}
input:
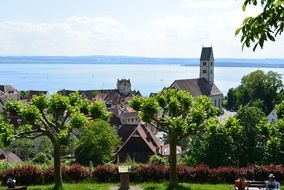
[(255, 184), (18, 188)]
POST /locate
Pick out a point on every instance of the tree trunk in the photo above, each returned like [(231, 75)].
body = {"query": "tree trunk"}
[(173, 160), (57, 166)]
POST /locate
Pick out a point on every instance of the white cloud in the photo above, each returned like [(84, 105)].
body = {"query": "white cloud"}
[(74, 36), (179, 35), (206, 4)]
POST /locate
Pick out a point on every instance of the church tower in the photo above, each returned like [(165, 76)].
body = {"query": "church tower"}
[(207, 64)]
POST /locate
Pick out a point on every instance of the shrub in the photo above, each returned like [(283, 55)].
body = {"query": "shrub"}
[(76, 173), (24, 175), (105, 173), (130, 162), (225, 174), (150, 172), (156, 159), (48, 175), (42, 158), (201, 173), (6, 166), (185, 173), (31, 174)]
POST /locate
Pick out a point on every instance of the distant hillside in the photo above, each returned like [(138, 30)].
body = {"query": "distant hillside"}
[(220, 62)]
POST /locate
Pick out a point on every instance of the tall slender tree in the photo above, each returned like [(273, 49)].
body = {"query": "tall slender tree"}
[(176, 113), (55, 117)]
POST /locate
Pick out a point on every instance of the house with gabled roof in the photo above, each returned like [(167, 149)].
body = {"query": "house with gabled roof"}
[(204, 85), (9, 157), (7, 92), (139, 143)]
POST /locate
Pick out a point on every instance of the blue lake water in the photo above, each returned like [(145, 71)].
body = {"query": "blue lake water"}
[(146, 78)]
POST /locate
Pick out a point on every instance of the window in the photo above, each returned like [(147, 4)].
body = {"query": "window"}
[(215, 102), (136, 134), (204, 71), (211, 63), (211, 71), (204, 63)]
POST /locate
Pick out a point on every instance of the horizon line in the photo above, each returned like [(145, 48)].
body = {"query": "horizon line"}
[(135, 56)]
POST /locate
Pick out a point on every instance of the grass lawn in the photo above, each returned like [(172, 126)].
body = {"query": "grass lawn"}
[(186, 186), (79, 186), (142, 186)]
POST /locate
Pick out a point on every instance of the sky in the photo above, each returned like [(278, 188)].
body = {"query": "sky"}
[(149, 28)]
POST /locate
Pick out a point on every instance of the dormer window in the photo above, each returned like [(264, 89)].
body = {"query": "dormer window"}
[(136, 134), (204, 63)]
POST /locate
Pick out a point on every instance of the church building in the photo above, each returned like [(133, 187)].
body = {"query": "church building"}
[(204, 85)]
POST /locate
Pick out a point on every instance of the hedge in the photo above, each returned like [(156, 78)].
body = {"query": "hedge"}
[(31, 174)]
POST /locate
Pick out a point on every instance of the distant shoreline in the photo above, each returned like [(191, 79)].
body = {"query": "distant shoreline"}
[(240, 65), (125, 60)]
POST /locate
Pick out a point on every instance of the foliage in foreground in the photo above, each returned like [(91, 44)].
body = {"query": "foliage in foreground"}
[(80, 186), (176, 113), (246, 139), (32, 175), (265, 26), (55, 117)]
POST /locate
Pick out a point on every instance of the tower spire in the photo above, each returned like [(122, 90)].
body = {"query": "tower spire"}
[(207, 64)]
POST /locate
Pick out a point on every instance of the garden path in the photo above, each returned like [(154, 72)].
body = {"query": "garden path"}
[(131, 188)]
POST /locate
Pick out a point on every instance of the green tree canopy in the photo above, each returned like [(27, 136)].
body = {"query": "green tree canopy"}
[(55, 117), (177, 113), (98, 144), (266, 26), (258, 89), (212, 147), (24, 148), (251, 149), (275, 144)]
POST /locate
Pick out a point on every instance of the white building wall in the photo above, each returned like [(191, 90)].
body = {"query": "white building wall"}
[(207, 69), (129, 120), (272, 117), (217, 101)]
